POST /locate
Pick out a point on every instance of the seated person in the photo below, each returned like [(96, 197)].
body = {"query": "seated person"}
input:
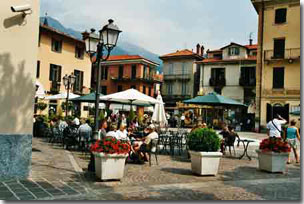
[(233, 135), (143, 148), (122, 133), (225, 132), (112, 132)]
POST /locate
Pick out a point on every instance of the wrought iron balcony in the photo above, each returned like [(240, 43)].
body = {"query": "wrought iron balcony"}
[(243, 81), (168, 77), (289, 54), (143, 79), (176, 96), (217, 82), (55, 87)]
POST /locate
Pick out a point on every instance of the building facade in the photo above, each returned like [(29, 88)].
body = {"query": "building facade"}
[(18, 57), (230, 71), (278, 59), (181, 76), (61, 54), (123, 72)]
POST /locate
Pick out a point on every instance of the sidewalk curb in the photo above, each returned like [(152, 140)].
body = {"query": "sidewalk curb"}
[(73, 162)]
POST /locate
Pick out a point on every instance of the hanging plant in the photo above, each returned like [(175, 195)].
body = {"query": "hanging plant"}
[(70, 106)]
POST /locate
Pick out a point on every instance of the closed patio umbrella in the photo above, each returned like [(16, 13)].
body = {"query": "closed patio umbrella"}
[(159, 114)]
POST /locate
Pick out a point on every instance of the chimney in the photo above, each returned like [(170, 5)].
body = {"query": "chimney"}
[(198, 49), (202, 51), (250, 41)]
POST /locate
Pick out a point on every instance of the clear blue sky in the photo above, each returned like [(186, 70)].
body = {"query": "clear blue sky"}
[(162, 26)]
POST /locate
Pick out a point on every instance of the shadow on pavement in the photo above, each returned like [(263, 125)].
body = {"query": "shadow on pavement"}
[(269, 186)]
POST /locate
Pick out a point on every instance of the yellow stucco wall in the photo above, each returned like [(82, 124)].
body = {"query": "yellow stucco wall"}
[(18, 57), (66, 59), (291, 32)]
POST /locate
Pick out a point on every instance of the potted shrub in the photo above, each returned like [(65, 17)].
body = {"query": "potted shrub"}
[(204, 144), (110, 155), (273, 154)]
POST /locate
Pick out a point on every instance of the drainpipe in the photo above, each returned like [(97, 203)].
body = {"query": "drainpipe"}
[(261, 60)]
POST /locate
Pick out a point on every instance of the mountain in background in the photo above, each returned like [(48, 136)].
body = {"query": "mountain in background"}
[(124, 48)]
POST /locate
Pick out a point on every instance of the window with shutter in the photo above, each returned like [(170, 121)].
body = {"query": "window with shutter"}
[(280, 15), (133, 74), (278, 77), (278, 48), (78, 81), (120, 72), (56, 45), (119, 88)]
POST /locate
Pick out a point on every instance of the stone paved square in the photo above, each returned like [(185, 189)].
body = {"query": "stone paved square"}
[(54, 177)]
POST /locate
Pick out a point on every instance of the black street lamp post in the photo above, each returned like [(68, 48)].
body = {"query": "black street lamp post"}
[(68, 81), (95, 44)]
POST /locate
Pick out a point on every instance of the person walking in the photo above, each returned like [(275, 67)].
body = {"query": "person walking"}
[(292, 133), (275, 126)]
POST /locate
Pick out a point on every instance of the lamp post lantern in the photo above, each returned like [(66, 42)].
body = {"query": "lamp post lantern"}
[(68, 81), (95, 44)]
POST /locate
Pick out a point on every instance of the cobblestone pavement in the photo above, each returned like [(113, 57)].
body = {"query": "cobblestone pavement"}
[(52, 176), (61, 175)]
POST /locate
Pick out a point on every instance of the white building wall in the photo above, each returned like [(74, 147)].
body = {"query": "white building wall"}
[(232, 74)]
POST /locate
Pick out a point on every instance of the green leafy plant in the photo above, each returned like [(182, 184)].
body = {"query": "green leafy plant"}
[(41, 106), (203, 140), (101, 115), (131, 115), (70, 106)]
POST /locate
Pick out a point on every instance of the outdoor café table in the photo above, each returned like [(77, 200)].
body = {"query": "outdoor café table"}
[(245, 144)]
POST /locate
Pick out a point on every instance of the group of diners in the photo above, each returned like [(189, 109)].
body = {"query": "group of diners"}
[(139, 141)]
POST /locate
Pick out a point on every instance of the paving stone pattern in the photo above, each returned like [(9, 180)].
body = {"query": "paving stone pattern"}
[(53, 177)]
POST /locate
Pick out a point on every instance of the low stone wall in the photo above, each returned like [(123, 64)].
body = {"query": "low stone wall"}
[(15, 155)]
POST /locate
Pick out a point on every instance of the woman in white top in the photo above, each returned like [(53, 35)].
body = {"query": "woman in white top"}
[(112, 132), (122, 133)]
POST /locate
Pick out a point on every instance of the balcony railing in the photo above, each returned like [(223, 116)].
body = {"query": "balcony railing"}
[(175, 96), (146, 79), (217, 82), (247, 82), (289, 54), (177, 77), (55, 87)]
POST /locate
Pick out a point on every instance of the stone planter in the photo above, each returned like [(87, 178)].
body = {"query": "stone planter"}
[(272, 161), (205, 163), (109, 166)]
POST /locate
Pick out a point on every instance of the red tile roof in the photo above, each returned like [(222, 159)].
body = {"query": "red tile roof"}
[(252, 47), (125, 57), (180, 53)]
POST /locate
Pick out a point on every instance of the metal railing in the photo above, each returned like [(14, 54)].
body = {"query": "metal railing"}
[(217, 82), (247, 82), (55, 87), (177, 76), (291, 53)]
